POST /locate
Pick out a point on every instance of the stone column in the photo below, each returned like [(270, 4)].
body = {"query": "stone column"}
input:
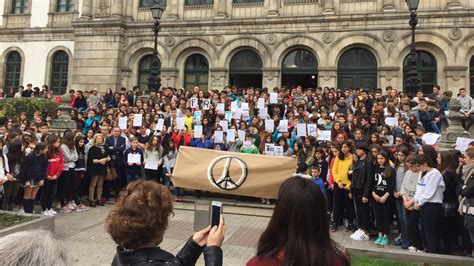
[(388, 6), (172, 9), (328, 8), (169, 77), (117, 8), (327, 77), (217, 78), (454, 128), (271, 78), (129, 10), (273, 9), (220, 7), (86, 9)]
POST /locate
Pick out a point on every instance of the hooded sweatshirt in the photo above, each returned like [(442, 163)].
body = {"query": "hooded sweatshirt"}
[(430, 187)]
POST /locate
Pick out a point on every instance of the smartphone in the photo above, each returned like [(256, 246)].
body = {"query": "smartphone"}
[(216, 210)]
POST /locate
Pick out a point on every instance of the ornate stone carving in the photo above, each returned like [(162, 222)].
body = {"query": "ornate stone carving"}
[(455, 34), (169, 41), (454, 128), (103, 8), (271, 39), (328, 37), (389, 35), (219, 40), (125, 42)]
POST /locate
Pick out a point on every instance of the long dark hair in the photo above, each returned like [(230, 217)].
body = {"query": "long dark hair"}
[(302, 233), (341, 155), (387, 167), (16, 155), (448, 162), (79, 149), (431, 155), (51, 139)]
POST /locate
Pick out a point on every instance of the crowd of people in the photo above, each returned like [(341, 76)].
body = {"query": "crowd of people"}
[(374, 155)]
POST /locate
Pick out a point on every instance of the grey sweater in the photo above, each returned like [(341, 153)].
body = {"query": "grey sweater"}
[(70, 157), (466, 104), (409, 184)]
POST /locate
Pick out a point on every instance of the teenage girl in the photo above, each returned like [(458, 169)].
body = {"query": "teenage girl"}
[(36, 173)]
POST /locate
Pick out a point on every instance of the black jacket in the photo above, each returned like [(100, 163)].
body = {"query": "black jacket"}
[(156, 256), (362, 176), (97, 168), (80, 102), (116, 150), (37, 168)]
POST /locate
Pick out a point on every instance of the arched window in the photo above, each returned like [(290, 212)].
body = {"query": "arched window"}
[(299, 68), (427, 71), (246, 69), (59, 72), (12, 70), (471, 75), (144, 67), (196, 72), (357, 68), (150, 3)]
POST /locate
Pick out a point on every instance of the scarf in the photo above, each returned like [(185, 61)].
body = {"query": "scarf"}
[(101, 147), (467, 172)]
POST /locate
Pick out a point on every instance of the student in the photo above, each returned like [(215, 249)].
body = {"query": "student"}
[(79, 174), (407, 192), (153, 158), (248, 147), (66, 180), (361, 189), (466, 206), (55, 168), (316, 178), (133, 169), (13, 172), (384, 184), (321, 162), (97, 160), (342, 184), (169, 160), (400, 169), (428, 199)]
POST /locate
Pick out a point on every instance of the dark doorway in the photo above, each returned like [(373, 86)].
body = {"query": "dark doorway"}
[(246, 69), (357, 68)]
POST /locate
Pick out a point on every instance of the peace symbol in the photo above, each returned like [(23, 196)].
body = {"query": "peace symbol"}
[(225, 181)]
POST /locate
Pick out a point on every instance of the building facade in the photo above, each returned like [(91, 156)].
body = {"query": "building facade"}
[(84, 44)]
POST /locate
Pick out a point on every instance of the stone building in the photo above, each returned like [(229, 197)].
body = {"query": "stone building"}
[(83, 44)]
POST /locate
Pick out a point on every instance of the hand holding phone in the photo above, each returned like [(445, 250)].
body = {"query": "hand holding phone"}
[(216, 211)]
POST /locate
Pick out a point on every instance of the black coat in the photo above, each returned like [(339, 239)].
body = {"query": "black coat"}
[(362, 175), (116, 151), (156, 256), (97, 168)]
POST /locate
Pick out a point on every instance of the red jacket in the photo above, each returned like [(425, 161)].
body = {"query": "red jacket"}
[(177, 137), (56, 164), (338, 260)]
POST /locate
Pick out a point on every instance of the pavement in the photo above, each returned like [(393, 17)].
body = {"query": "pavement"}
[(89, 244)]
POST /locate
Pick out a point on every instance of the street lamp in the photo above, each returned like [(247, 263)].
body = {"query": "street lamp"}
[(154, 81), (413, 83)]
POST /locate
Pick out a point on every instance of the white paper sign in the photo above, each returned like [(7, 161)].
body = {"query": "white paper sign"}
[(197, 117), (231, 135), (391, 121), (218, 136), (247, 144), (123, 122), (261, 103), (462, 143), (269, 125), (233, 106), (245, 115), (160, 124), (197, 131), (273, 97), (244, 106), (312, 130), (228, 116), (301, 129), (134, 158), (324, 135), (241, 134), (180, 122), (137, 120), (151, 164), (237, 114), (263, 112), (220, 108), (225, 125), (269, 149), (283, 126), (206, 104), (430, 138), (194, 103), (279, 151)]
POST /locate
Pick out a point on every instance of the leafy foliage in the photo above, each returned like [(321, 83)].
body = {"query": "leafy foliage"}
[(12, 107)]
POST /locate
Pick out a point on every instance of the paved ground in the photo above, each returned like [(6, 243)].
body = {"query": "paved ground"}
[(85, 237)]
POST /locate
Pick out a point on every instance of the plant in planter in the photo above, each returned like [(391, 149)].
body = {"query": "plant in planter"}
[(8, 220)]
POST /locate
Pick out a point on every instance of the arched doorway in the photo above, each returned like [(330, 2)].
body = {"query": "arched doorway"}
[(196, 72), (299, 68), (59, 72), (357, 68), (246, 69), (12, 70), (427, 71), (144, 67), (471, 75)]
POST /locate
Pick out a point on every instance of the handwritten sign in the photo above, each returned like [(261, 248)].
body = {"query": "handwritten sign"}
[(273, 97), (430, 138), (324, 135), (137, 120), (180, 122), (462, 143), (269, 149), (218, 136), (269, 125), (278, 151), (160, 124), (220, 108), (283, 126), (391, 121), (241, 134), (224, 124), (312, 130), (197, 131), (301, 129), (194, 103), (261, 103), (123, 122), (206, 104), (231, 135)]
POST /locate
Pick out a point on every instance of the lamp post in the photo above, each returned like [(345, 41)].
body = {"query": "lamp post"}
[(413, 83), (154, 81)]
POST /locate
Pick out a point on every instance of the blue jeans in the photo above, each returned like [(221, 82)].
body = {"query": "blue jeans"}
[(403, 220), (166, 178), (435, 127), (131, 178)]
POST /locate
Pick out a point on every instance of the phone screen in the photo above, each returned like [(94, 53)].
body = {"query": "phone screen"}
[(215, 215)]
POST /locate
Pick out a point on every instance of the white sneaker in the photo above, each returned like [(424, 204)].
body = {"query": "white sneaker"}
[(70, 206), (356, 233), (74, 205), (21, 211), (52, 212), (45, 213), (412, 249), (361, 236)]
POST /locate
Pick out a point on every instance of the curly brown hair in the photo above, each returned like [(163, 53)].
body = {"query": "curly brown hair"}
[(140, 215)]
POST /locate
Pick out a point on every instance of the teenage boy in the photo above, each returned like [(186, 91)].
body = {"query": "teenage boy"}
[(316, 178), (133, 160)]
